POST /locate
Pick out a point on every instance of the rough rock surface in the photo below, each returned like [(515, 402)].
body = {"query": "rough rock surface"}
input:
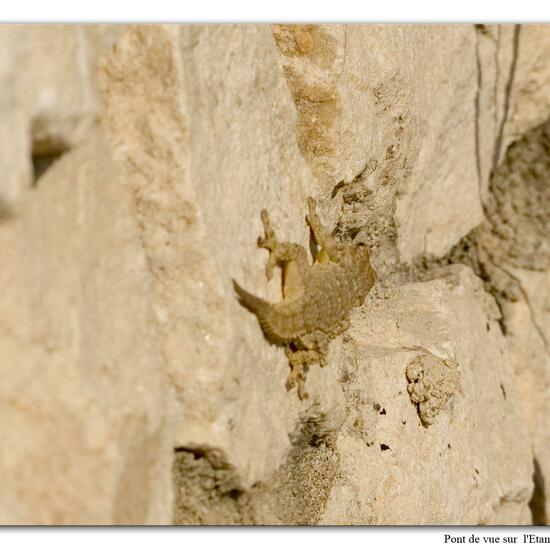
[(136, 389)]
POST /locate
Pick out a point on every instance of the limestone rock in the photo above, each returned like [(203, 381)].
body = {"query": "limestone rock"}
[(371, 109), (529, 71), (528, 325), (481, 439), (216, 97), (48, 97), (85, 408)]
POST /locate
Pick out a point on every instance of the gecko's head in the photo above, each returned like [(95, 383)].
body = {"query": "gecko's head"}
[(362, 249), (356, 254), (361, 256)]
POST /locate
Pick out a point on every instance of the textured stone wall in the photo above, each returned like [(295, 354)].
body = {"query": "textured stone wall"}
[(135, 162)]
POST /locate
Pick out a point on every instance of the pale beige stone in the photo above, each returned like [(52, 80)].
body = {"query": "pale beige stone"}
[(84, 405), (473, 464), (529, 341), (529, 101), (48, 95)]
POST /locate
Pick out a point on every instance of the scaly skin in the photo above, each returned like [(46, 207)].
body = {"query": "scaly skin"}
[(317, 299)]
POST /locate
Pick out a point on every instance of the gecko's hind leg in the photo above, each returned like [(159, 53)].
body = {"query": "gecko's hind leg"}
[(329, 246), (299, 361), (316, 347), (321, 345), (270, 240), (291, 257)]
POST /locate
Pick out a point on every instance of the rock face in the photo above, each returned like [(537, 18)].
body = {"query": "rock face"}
[(136, 160)]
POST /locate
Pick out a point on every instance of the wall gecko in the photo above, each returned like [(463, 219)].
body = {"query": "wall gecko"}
[(317, 299)]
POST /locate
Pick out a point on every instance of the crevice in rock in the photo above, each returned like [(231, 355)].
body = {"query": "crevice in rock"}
[(477, 102), (537, 504), (496, 80), (207, 490), (298, 492), (508, 93), (532, 315)]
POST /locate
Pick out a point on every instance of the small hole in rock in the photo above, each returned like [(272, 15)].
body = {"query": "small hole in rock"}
[(47, 146), (353, 232), (41, 163), (503, 391)]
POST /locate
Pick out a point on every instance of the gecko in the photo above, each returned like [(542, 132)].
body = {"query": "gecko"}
[(317, 297)]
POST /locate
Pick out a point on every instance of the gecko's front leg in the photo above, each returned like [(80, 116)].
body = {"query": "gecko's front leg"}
[(291, 257)]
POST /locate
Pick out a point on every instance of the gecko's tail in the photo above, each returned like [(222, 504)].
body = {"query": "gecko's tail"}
[(249, 301), (264, 311)]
